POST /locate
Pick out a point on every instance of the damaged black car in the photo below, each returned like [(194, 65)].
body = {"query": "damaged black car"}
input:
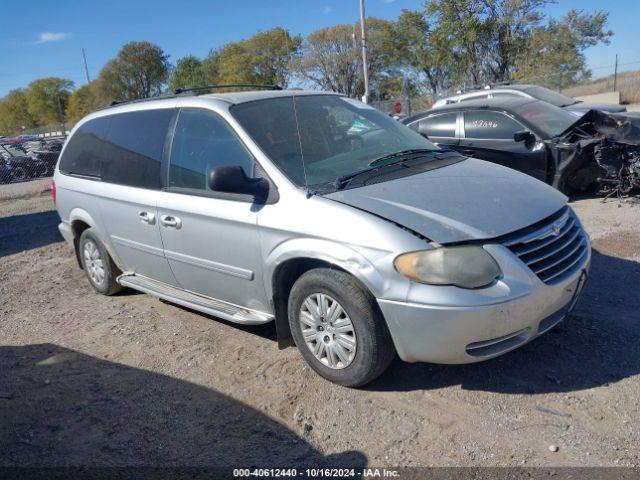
[(598, 152)]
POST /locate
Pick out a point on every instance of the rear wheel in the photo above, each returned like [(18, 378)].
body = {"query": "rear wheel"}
[(98, 265), (338, 328)]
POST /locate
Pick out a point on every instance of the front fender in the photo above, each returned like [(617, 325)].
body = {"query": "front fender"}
[(343, 256)]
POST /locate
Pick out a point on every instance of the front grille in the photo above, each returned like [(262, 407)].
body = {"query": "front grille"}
[(553, 249)]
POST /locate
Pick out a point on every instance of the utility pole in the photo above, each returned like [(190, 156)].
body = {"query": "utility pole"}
[(86, 69), (615, 74), (365, 70), (60, 115)]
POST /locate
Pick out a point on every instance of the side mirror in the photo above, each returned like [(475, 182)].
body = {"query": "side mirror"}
[(232, 179), (524, 136)]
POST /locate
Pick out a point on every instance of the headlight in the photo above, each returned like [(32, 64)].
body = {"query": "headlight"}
[(467, 266)]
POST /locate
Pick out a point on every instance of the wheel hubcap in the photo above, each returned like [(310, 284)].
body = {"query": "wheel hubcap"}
[(93, 262), (327, 330)]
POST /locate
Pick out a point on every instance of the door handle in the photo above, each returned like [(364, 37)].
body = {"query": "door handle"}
[(146, 217), (170, 221), (468, 152)]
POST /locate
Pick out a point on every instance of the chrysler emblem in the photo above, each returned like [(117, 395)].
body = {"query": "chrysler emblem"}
[(555, 229)]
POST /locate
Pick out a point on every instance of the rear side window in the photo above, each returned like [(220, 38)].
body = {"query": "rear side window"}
[(443, 125), (203, 141), (84, 153), (490, 125), (134, 146)]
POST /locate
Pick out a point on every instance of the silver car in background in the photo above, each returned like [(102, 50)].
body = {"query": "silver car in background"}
[(356, 235)]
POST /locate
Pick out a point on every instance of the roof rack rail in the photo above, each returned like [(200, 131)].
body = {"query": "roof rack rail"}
[(179, 91), (194, 91)]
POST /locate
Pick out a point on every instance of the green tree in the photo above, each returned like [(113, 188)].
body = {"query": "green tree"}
[(189, 72), (262, 59), (331, 59), (83, 101), (14, 113), (555, 54), (421, 50), (47, 99), (140, 70)]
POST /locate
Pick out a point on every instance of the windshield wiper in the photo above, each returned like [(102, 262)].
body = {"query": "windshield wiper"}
[(342, 181), (401, 153)]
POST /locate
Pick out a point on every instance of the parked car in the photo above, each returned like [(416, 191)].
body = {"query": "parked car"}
[(5, 172), (532, 92), (534, 137), (356, 235), (21, 167)]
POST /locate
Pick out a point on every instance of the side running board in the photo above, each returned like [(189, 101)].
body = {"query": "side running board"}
[(207, 305)]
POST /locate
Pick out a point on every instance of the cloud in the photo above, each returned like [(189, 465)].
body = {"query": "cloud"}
[(327, 10), (48, 37)]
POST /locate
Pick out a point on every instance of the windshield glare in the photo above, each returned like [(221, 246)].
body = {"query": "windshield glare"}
[(316, 139), (551, 120), (554, 98)]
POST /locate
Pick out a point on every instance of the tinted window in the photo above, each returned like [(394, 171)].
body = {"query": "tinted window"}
[(490, 125), (203, 141), (549, 119), (135, 141), (85, 150), (439, 125)]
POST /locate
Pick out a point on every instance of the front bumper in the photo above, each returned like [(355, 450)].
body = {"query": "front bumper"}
[(472, 333)]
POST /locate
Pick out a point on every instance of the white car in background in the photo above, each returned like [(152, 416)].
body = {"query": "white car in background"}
[(537, 92)]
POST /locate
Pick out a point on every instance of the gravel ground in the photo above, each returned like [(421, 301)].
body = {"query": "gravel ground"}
[(129, 380)]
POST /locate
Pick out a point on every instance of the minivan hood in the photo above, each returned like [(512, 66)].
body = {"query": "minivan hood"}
[(469, 200)]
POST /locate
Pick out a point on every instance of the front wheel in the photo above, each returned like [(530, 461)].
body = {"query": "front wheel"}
[(338, 327)]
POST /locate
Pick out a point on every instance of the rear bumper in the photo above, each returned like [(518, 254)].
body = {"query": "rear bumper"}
[(451, 334), (66, 232)]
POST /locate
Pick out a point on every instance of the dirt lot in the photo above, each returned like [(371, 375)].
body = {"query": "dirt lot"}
[(126, 380)]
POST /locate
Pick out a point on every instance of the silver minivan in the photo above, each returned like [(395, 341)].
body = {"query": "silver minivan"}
[(356, 235)]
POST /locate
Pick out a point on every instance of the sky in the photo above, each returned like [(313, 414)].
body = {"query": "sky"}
[(45, 38)]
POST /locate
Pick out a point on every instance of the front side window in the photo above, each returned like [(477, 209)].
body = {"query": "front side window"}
[(484, 124), (546, 117), (133, 151), (315, 139), (443, 125), (203, 141)]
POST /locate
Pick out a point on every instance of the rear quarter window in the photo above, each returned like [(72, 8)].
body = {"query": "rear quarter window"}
[(134, 148), (83, 154)]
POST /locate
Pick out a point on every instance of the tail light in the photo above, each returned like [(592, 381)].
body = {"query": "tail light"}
[(53, 192)]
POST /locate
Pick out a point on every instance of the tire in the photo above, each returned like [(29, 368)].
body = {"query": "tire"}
[(360, 325), (97, 264)]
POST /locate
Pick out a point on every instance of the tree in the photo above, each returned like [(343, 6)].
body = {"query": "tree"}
[(140, 70), (47, 99), (555, 54), (189, 72), (14, 113), (331, 59), (423, 51), (83, 101), (262, 59)]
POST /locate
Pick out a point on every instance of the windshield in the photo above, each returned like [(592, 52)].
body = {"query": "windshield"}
[(316, 139), (552, 121), (554, 98)]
